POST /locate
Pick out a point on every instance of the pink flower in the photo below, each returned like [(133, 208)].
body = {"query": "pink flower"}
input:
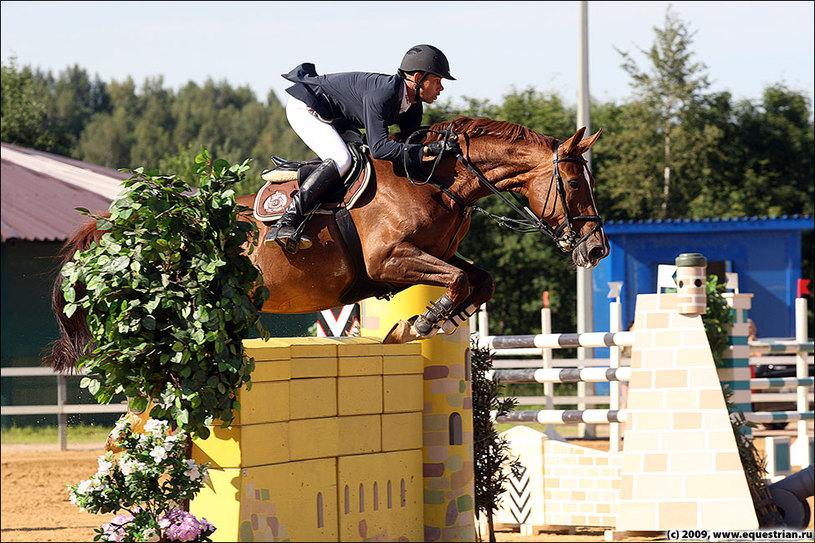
[(184, 527)]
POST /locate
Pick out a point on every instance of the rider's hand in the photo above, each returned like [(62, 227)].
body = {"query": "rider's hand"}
[(435, 148)]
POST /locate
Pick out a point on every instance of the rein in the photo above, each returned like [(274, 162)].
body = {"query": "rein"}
[(564, 235)]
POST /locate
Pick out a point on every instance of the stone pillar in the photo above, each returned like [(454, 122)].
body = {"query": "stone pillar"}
[(449, 493), (681, 465), (735, 374)]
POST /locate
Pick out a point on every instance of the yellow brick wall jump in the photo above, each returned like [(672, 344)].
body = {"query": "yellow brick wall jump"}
[(327, 446)]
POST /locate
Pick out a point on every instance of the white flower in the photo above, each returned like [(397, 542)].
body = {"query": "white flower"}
[(155, 427), (151, 535), (192, 473), (84, 487), (171, 442), (128, 465), (120, 424), (104, 466), (158, 454)]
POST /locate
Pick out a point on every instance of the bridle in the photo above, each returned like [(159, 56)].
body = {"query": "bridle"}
[(564, 235)]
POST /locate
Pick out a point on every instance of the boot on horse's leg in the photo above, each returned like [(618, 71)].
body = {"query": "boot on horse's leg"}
[(464, 311), (435, 312), (289, 232)]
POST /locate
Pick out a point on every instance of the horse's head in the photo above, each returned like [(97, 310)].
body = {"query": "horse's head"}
[(561, 193), (503, 156)]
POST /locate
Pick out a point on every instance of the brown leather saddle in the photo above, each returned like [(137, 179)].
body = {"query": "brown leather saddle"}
[(283, 181)]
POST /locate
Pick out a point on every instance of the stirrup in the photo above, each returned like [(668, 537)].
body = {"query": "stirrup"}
[(294, 241)]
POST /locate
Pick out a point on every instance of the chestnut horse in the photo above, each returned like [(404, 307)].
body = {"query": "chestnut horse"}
[(409, 228)]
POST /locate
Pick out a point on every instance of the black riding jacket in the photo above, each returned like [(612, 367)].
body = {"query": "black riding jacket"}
[(361, 100)]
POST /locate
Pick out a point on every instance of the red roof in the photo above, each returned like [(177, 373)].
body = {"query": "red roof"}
[(40, 192)]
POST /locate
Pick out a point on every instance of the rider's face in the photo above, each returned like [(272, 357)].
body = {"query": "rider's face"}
[(431, 88)]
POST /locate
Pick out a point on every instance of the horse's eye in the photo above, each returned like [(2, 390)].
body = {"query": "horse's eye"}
[(574, 184)]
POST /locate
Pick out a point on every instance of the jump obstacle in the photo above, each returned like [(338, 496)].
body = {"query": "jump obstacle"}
[(348, 439)]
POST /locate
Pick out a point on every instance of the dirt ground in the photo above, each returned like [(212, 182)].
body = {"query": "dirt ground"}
[(35, 504)]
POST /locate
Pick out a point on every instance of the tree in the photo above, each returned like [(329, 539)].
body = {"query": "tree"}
[(73, 100), (109, 137), (24, 108), (665, 95), (775, 146)]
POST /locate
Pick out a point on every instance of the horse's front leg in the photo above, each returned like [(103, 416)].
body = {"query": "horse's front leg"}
[(483, 288), (407, 264)]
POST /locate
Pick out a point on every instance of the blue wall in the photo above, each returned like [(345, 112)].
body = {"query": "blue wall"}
[(766, 254)]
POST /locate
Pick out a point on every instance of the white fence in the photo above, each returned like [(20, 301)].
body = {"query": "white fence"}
[(61, 408)]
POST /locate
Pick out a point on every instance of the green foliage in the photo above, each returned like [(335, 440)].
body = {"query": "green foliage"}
[(170, 296), (24, 108), (148, 478), (717, 319), (493, 462)]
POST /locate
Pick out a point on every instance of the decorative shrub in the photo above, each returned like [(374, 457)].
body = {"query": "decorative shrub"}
[(171, 294)]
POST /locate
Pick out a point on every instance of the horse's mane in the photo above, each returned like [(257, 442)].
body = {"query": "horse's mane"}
[(511, 132)]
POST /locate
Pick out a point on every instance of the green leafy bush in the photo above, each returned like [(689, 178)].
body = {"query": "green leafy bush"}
[(717, 319), (171, 294)]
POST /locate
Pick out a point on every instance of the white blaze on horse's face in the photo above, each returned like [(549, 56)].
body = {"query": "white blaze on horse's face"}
[(589, 241)]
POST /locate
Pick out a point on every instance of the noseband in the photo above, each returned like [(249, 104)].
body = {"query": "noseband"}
[(564, 236)]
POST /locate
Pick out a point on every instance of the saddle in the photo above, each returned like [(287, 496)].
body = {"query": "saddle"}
[(283, 181)]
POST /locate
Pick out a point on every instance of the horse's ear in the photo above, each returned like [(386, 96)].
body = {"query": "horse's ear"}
[(570, 143), (586, 144)]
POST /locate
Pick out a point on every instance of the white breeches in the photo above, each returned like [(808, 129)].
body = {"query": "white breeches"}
[(320, 136)]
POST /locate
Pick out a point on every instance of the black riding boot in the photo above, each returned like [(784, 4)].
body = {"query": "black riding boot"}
[(316, 185)]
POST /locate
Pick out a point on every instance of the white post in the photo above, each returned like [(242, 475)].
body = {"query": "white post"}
[(546, 363), (615, 322), (62, 419), (483, 322), (799, 452)]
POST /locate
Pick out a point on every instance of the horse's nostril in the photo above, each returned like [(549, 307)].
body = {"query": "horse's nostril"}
[(596, 253)]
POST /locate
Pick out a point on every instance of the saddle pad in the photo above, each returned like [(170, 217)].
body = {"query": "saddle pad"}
[(274, 197)]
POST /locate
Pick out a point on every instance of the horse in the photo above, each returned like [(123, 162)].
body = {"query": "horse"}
[(409, 228)]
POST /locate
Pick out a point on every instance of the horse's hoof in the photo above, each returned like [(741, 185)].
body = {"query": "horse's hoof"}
[(405, 331), (402, 332)]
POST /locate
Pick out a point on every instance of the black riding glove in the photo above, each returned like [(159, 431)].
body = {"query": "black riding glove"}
[(435, 148)]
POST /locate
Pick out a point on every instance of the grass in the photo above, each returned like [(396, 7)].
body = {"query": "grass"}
[(78, 433)]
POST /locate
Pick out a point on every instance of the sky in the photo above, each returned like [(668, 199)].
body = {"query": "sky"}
[(493, 47)]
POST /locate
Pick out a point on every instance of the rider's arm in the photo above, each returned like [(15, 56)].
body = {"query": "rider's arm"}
[(376, 129)]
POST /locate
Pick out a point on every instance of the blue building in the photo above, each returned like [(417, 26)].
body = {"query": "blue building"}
[(765, 252)]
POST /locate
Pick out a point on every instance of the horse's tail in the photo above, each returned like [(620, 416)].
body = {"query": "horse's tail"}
[(74, 334)]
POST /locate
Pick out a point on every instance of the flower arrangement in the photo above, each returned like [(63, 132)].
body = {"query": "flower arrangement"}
[(148, 479)]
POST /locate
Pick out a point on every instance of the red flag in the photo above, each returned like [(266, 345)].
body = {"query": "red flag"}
[(803, 287), (545, 299)]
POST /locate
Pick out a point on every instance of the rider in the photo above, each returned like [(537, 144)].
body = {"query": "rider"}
[(320, 107)]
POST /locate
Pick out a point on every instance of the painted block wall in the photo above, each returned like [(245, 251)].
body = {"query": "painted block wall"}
[(327, 446)]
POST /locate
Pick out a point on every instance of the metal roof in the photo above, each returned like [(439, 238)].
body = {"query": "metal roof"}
[(735, 224), (40, 192)]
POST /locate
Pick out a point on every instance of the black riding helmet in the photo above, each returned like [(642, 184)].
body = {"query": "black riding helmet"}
[(428, 59)]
